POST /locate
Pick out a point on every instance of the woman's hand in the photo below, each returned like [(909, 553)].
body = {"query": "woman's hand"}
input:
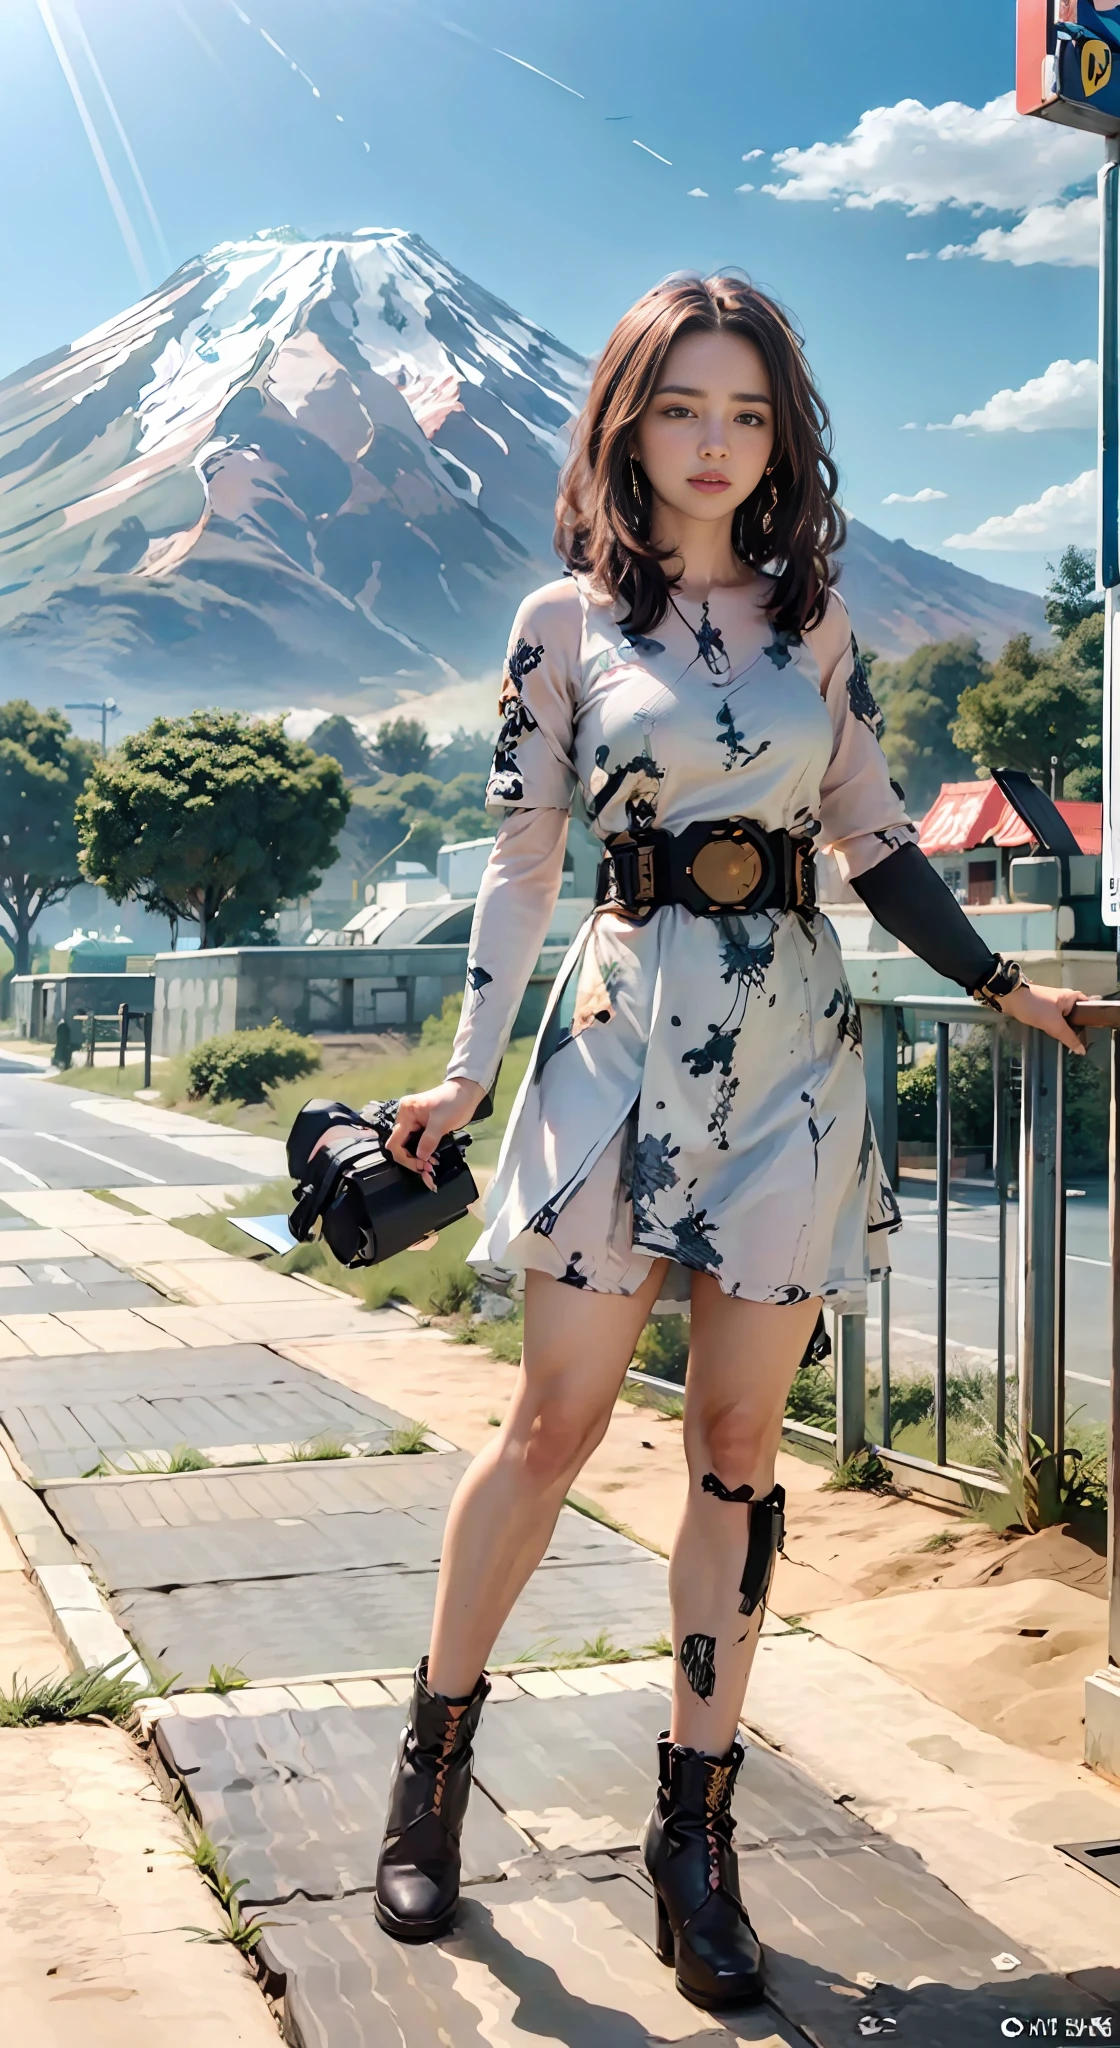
[(433, 1113), (1046, 1009)]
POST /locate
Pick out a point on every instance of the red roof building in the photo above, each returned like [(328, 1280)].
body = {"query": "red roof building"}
[(971, 817)]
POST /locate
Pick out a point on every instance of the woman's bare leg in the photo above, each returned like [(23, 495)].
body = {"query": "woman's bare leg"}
[(577, 1347), (742, 1360)]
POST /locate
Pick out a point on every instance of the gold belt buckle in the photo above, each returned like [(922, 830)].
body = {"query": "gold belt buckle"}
[(728, 870)]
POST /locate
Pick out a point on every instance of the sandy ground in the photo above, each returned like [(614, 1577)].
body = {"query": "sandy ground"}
[(1002, 1630)]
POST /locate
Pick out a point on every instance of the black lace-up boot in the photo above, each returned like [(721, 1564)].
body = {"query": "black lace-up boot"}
[(702, 1925), (417, 1888)]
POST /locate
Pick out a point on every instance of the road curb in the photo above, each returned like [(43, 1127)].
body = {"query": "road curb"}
[(79, 1615)]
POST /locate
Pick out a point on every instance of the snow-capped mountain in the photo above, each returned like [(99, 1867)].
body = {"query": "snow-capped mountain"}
[(319, 471), (296, 463)]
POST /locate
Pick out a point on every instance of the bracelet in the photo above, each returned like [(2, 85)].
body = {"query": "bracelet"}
[(1005, 976)]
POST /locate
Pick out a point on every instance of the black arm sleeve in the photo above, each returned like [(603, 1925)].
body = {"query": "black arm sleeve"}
[(909, 898)]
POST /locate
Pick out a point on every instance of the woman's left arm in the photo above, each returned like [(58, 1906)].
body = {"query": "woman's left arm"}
[(864, 821)]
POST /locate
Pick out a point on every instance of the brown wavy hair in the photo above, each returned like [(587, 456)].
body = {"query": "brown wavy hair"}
[(603, 523)]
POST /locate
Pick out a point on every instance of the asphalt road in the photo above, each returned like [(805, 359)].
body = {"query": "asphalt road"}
[(973, 1290), (48, 1140)]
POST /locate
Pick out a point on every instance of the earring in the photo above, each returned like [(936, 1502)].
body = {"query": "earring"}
[(768, 515), (634, 484)]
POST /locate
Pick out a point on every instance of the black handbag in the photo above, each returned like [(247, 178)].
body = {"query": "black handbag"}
[(368, 1208)]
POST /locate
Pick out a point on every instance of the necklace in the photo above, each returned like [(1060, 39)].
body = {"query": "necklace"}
[(708, 638)]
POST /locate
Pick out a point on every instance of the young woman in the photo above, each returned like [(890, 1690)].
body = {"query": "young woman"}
[(694, 1120)]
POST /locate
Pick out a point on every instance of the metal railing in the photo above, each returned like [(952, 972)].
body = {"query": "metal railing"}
[(1028, 1354)]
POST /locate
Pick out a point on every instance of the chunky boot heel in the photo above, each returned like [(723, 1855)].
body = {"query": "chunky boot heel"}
[(417, 1887), (702, 1923), (664, 1944)]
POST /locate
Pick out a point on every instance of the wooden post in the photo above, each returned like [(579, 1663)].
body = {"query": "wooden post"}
[(122, 1014), (147, 1049)]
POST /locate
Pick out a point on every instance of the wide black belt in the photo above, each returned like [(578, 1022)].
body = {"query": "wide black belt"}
[(713, 869)]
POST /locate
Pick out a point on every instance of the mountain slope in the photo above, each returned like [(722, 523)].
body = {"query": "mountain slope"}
[(323, 472), (900, 598)]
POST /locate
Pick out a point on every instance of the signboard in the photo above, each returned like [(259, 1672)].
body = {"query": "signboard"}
[(1068, 62)]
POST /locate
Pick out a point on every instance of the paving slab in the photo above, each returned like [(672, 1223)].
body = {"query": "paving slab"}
[(197, 1529), (223, 1281), (142, 1242), (981, 1813), (311, 1316), (96, 1905), (16, 1245), (297, 1799), (42, 1336), (61, 1208), (352, 1621), (552, 1968), (63, 1424), (575, 1773), (191, 1563)]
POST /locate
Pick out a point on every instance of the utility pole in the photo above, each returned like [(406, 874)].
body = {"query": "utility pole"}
[(107, 708)]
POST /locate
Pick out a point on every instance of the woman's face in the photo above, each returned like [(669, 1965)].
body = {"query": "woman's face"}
[(707, 434)]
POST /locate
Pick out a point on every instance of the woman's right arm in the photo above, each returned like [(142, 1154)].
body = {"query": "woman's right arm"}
[(531, 783), (511, 919)]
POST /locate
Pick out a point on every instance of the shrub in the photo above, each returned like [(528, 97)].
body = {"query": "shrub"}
[(240, 1066), (662, 1347)]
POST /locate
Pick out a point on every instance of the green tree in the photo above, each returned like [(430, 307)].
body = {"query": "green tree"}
[(340, 738), (466, 751), (1040, 708), (43, 768), (383, 824), (1070, 597), (212, 818), (1039, 711), (403, 746), (919, 697)]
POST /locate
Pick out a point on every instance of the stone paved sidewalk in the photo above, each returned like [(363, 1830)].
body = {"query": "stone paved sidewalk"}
[(896, 1893)]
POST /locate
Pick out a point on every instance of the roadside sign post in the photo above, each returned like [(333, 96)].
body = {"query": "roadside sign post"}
[(1068, 70)]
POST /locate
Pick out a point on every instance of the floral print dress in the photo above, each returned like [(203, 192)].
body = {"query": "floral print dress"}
[(696, 1091)]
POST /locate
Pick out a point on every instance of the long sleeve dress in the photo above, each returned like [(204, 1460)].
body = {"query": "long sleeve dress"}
[(696, 1091)]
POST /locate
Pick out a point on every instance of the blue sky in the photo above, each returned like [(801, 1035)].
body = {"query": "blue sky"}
[(208, 131)]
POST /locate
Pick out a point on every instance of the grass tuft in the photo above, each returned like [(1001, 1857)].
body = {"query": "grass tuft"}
[(223, 1678), (241, 1931), (865, 1472), (318, 1447), (408, 1442), (100, 1694), (946, 1539)]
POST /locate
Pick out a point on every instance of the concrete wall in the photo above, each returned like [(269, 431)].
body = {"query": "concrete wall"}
[(40, 1001), (317, 988)]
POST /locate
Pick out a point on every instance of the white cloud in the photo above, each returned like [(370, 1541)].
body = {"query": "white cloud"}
[(697, 192), (917, 255), (1065, 512), (910, 427), (1064, 396), (925, 496), (924, 157), (744, 188), (750, 155), (1047, 234)]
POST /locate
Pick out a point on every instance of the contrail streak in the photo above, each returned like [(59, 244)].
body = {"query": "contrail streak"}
[(128, 232), (540, 74), (652, 152), (124, 141), (457, 29), (193, 29)]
